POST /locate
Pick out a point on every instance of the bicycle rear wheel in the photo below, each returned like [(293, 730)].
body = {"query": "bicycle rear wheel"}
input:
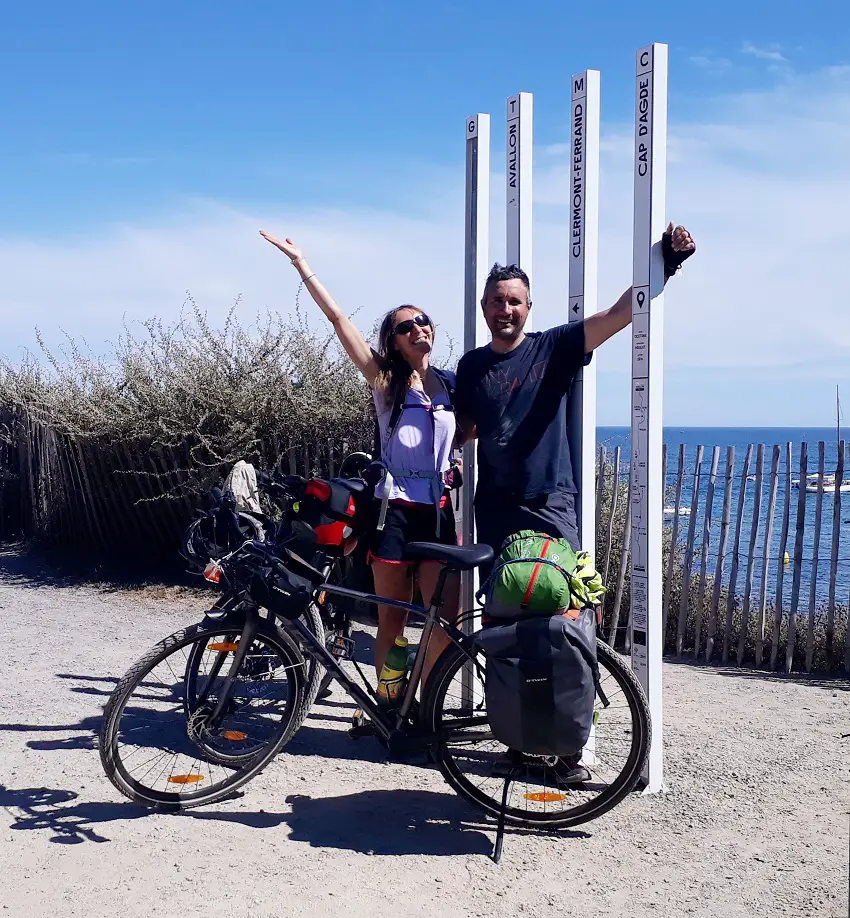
[(542, 793), (159, 757)]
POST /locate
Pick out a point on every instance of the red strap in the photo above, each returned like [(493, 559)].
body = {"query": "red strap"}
[(534, 574)]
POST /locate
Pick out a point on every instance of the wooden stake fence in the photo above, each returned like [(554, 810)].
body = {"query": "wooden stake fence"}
[(122, 496)]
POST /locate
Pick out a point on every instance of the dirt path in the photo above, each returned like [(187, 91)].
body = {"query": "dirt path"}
[(755, 822)]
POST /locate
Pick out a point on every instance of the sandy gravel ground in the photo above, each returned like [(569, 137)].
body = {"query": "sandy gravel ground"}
[(755, 821)]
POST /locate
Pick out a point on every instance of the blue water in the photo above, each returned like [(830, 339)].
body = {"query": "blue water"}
[(741, 438)]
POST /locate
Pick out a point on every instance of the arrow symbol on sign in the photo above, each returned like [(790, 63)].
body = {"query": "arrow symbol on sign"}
[(575, 308)]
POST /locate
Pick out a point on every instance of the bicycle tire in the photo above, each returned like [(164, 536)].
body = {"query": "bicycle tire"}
[(316, 673), (244, 771), (447, 666)]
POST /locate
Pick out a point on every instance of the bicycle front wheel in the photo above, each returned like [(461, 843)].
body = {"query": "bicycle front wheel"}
[(159, 757), (544, 792)]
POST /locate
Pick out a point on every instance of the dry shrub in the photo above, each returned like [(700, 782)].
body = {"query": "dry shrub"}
[(224, 391)]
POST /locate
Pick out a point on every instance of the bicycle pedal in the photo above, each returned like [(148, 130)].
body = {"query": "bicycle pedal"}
[(360, 726), (340, 646), (367, 728)]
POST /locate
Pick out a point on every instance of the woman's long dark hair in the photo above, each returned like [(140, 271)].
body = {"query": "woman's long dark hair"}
[(395, 370)]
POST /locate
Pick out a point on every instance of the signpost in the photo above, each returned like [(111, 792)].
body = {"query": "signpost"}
[(647, 330), (518, 170), (582, 301), (650, 175), (476, 253)]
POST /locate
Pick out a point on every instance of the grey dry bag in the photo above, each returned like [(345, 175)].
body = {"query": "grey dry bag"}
[(541, 682)]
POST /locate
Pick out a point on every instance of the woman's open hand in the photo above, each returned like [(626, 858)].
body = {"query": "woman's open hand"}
[(288, 247)]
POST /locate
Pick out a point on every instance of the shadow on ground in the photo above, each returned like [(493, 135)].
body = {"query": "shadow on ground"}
[(46, 810), (836, 681), (391, 822), (387, 822), (30, 565), (394, 822)]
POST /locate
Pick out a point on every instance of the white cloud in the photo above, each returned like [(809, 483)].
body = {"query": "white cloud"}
[(716, 66), (771, 53), (760, 313), (762, 181)]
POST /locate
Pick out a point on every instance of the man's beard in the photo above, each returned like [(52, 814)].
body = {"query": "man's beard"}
[(506, 332)]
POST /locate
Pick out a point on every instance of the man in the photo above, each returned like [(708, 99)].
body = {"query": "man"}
[(512, 395)]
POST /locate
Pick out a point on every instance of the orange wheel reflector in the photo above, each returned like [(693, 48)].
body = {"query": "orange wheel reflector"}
[(322, 597), (224, 647), (234, 735), (185, 779), (545, 797)]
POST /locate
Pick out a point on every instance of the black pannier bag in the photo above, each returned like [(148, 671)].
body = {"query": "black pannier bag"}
[(541, 682)]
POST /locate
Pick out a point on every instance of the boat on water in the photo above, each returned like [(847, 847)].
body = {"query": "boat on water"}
[(812, 482)]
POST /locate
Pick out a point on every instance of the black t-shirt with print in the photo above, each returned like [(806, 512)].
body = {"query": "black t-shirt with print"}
[(518, 401)]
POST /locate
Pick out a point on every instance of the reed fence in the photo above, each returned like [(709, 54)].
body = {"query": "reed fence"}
[(753, 566), (739, 609), (110, 496)]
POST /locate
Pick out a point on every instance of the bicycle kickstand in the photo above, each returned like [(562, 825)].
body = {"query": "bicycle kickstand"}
[(500, 829)]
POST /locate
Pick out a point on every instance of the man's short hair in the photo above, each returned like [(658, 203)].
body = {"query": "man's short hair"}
[(506, 272)]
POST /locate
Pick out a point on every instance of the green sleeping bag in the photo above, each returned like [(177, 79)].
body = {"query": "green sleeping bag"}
[(536, 574)]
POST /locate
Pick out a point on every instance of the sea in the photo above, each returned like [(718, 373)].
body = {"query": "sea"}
[(816, 557)]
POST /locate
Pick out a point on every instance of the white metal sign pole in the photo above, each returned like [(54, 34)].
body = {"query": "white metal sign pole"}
[(518, 170), (476, 253), (647, 385), (582, 302), (584, 261)]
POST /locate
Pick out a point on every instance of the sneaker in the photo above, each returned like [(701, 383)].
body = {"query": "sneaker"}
[(570, 771), (559, 771)]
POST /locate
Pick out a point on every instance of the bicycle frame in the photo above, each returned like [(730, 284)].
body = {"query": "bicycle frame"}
[(388, 723)]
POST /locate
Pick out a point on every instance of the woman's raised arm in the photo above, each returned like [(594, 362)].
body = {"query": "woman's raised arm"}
[(352, 340)]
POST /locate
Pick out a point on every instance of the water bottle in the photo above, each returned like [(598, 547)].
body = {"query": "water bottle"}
[(393, 677)]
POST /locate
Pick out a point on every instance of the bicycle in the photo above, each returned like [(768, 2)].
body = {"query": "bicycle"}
[(233, 739), (222, 528)]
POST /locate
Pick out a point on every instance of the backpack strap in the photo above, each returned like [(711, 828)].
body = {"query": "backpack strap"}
[(446, 379)]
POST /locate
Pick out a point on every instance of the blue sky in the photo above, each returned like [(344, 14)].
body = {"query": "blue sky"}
[(144, 144)]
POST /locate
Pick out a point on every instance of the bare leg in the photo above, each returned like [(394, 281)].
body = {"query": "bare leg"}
[(394, 581), (429, 572)]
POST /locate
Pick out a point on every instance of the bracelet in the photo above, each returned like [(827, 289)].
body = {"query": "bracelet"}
[(305, 279)]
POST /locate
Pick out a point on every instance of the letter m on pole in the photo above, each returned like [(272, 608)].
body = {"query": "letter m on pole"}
[(578, 84)]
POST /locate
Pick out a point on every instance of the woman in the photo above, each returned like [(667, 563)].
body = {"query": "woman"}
[(417, 426)]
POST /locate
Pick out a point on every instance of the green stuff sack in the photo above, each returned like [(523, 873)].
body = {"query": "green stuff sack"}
[(531, 577)]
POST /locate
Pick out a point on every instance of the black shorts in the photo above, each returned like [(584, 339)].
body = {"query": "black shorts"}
[(411, 523), (553, 514)]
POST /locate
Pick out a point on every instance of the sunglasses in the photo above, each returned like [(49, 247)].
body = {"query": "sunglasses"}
[(406, 327)]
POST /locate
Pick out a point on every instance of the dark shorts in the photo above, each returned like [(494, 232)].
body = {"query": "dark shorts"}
[(553, 514), (406, 523)]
